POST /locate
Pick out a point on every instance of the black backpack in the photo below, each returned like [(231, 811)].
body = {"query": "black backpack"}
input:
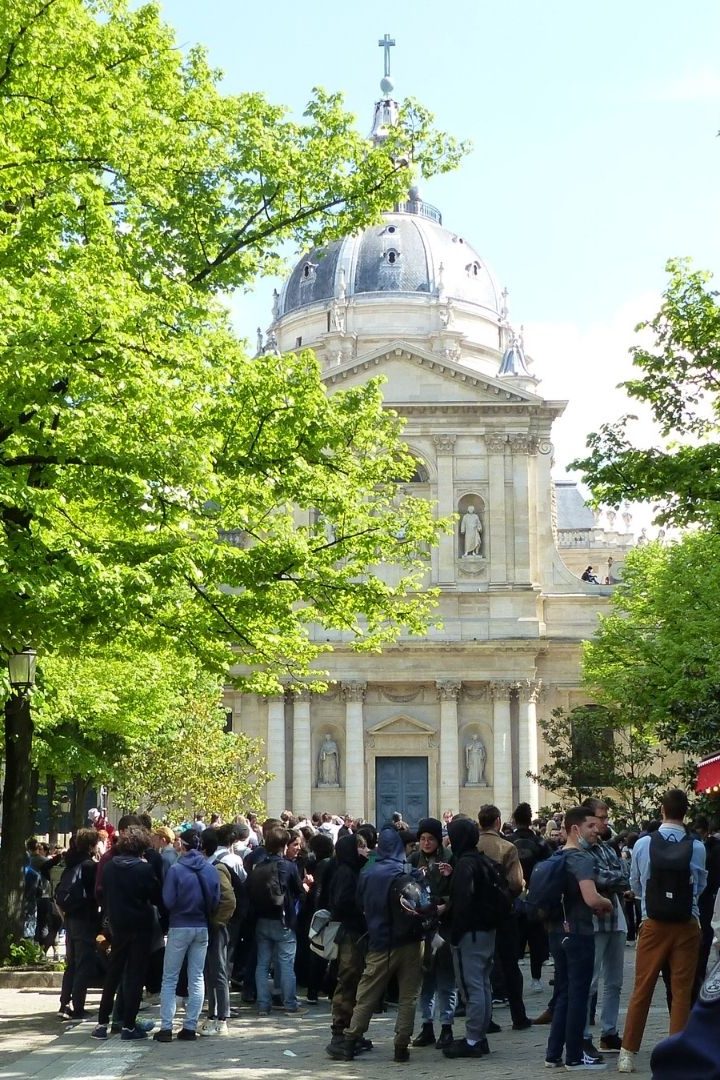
[(669, 888), (267, 895), (70, 895), (530, 852), (490, 890)]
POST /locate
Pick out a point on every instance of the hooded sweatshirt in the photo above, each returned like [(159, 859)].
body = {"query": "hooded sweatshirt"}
[(190, 903), (466, 914), (343, 899), (374, 888), (131, 890)]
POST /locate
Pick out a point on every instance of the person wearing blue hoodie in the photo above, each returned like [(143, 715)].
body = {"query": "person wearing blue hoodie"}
[(394, 948), (191, 893)]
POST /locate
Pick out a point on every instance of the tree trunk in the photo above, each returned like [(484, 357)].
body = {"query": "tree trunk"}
[(16, 807), (33, 801), (51, 788), (79, 791)]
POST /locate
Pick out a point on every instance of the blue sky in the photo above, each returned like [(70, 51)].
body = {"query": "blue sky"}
[(595, 152)]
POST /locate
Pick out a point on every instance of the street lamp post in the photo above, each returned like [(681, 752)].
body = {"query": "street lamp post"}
[(16, 794)]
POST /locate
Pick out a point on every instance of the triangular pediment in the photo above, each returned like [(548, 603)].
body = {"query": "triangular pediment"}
[(414, 375), (402, 725)]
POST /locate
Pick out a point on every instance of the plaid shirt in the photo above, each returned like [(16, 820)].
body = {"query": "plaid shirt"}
[(612, 878)]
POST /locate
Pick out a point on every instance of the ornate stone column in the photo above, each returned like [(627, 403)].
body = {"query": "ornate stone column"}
[(275, 754), (302, 755), (496, 443), (502, 748), (354, 779), (444, 450), (528, 743), (521, 446), (448, 693)]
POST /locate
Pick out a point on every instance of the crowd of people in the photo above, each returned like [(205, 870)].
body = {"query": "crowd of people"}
[(439, 917)]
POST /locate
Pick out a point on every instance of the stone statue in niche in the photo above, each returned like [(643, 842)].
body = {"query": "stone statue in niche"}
[(475, 761), (471, 532), (328, 763)]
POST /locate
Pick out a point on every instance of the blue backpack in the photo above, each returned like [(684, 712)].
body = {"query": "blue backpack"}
[(544, 897)]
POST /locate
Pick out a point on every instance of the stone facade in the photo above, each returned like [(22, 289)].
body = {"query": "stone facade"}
[(448, 721)]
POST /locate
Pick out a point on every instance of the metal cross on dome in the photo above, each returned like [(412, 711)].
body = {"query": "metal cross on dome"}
[(387, 43)]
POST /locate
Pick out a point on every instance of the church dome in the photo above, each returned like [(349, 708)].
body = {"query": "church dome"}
[(407, 253)]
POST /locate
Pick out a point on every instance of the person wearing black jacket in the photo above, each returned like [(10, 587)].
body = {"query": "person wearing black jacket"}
[(132, 891), (531, 850), (473, 942), (81, 928), (345, 909)]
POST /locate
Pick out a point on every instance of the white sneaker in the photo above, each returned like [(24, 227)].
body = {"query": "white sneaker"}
[(537, 986), (208, 1027), (626, 1061), (221, 1027)]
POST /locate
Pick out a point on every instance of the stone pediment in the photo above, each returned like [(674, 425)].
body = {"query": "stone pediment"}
[(416, 376), (402, 725)]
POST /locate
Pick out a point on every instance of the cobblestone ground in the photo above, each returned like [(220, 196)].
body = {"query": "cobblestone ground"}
[(33, 1043)]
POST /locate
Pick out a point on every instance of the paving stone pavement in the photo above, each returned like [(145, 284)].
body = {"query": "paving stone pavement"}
[(34, 1044)]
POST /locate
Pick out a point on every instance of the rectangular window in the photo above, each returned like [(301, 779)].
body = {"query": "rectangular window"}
[(593, 749), (298, 342)]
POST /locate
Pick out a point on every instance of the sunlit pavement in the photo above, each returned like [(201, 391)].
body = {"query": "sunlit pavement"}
[(33, 1043)]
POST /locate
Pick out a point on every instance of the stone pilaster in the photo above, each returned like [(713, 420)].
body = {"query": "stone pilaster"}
[(502, 748), (354, 695), (275, 755), (521, 446), (444, 450), (528, 741), (448, 693), (495, 443), (302, 755)]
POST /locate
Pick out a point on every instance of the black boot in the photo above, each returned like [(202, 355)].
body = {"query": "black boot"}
[(336, 1041), (426, 1036), (446, 1037), (345, 1051)]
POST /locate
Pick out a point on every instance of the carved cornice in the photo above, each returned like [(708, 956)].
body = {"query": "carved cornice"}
[(445, 444), (448, 689), (353, 691), (495, 442)]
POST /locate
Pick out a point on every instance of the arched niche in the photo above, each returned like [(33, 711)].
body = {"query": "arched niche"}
[(475, 751), (327, 757), (471, 532)]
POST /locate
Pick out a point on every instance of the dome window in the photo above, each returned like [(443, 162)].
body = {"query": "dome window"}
[(392, 256), (473, 269), (391, 228), (308, 273)]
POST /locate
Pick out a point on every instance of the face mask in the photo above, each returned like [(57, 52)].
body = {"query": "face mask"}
[(584, 844)]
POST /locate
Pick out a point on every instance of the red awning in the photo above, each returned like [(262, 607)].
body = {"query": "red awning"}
[(708, 777)]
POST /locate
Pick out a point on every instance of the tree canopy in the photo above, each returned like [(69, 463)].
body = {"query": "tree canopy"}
[(133, 429), (656, 657), (678, 380), (137, 440)]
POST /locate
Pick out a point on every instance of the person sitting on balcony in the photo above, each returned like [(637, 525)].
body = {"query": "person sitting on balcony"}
[(588, 575)]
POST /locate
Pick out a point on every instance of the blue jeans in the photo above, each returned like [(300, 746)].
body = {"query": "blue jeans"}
[(182, 941), (609, 962), (438, 986), (473, 958), (574, 957), (275, 942)]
